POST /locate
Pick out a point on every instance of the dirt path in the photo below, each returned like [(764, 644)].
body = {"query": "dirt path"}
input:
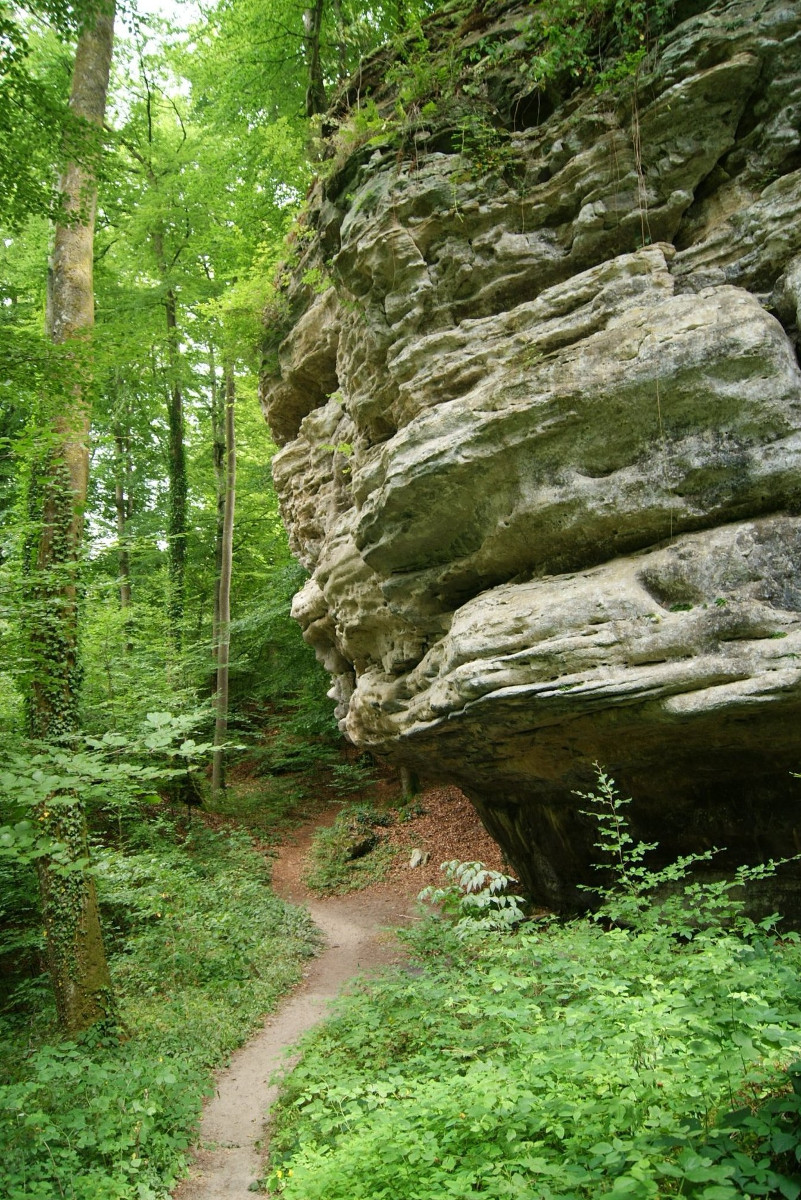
[(353, 927), (356, 940)]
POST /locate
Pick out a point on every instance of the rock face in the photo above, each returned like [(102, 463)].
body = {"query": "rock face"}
[(541, 430)]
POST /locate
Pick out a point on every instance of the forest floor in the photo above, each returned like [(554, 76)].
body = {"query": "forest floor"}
[(357, 939)]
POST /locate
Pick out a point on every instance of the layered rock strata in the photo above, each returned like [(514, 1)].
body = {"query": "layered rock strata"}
[(540, 420)]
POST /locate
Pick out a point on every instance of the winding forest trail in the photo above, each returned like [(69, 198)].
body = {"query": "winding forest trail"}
[(354, 942)]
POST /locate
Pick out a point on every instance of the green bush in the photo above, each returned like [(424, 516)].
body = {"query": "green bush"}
[(564, 1061), (200, 949), (478, 899), (97, 1123), (349, 854)]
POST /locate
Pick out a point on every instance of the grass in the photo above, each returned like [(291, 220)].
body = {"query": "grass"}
[(269, 796), (270, 806)]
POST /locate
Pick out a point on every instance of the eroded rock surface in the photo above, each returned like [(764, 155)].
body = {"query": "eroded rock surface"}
[(541, 445)]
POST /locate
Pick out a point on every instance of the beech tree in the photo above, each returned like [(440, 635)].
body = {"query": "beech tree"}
[(76, 957)]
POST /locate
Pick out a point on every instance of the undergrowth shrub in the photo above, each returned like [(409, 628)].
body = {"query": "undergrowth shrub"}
[(644, 1058), (200, 949), (477, 898), (350, 853)]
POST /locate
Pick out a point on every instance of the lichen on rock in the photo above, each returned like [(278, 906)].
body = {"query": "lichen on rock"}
[(541, 435)]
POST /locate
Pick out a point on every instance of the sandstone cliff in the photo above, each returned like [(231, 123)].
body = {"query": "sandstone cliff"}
[(540, 409)]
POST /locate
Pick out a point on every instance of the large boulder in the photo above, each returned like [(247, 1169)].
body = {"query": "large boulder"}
[(541, 430)]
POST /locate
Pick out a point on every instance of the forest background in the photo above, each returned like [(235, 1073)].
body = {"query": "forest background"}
[(147, 190), (146, 225)]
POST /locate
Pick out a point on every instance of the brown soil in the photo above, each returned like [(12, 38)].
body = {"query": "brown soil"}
[(231, 1140), (447, 828)]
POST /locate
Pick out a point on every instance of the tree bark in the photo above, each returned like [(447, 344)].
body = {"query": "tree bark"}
[(342, 46), (76, 957), (176, 456), (122, 505), (218, 460), (224, 624), (177, 472), (176, 451), (315, 92), (410, 783)]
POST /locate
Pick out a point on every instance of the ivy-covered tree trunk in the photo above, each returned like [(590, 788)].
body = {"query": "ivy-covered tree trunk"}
[(224, 622), (76, 957)]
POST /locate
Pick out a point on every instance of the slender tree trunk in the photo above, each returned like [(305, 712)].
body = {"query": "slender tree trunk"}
[(315, 92), (76, 957), (218, 459), (342, 45), (410, 783), (122, 505), (176, 458), (224, 627), (176, 452)]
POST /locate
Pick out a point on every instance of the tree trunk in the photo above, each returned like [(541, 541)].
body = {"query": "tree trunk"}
[(176, 452), (224, 625), (410, 783), (218, 459), (76, 957), (122, 505), (315, 92), (342, 45), (176, 466)]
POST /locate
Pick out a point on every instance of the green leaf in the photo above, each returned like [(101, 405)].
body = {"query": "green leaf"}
[(159, 719)]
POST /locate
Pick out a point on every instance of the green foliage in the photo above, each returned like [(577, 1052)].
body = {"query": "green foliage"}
[(90, 1124), (477, 898), (33, 113), (566, 43), (110, 774), (200, 949), (120, 649), (563, 1061), (349, 777), (349, 854), (422, 76), (670, 897), (267, 807), (201, 916)]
